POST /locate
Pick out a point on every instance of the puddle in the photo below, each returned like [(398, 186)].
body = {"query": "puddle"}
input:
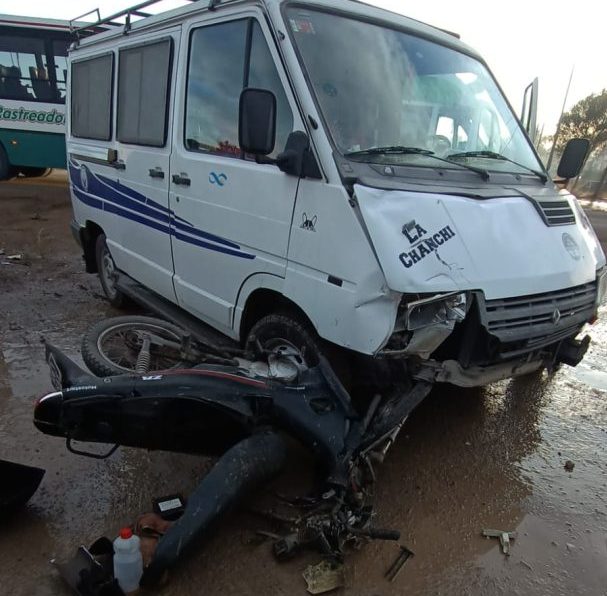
[(594, 378)]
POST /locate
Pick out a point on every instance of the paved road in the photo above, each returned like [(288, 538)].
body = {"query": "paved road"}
[(466, 460)]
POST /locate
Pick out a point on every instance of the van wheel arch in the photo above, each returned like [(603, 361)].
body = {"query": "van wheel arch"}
[(263, 302)]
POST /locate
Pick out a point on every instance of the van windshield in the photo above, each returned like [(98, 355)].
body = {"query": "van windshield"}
[(381, 88)]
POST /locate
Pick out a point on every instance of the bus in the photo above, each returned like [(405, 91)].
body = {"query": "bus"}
[(33, 74)]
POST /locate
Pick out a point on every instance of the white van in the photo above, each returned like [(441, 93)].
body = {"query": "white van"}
[(328, 175)]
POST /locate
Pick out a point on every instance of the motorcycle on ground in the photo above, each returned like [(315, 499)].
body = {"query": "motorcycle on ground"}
[(237, 405)]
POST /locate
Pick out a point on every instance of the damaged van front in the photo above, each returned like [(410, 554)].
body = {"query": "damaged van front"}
[(491, 270)]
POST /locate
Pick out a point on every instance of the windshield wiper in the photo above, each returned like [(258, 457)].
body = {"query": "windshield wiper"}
[(494, 155), (401, 150), (396, 149)]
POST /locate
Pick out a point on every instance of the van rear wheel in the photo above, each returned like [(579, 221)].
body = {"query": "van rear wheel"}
[(107, 271)]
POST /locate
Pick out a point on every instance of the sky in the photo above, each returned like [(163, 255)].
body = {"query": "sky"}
[(519, 39)]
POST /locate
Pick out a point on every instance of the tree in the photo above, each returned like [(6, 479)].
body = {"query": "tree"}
[(586, 119)]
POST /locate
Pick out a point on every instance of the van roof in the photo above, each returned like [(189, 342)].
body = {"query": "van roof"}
[(353, 7)]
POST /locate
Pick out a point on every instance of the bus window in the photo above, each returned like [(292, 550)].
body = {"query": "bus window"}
[(33, 68), (18, 57), (60, 47)]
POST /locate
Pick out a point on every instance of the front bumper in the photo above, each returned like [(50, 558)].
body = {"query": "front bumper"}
[(569, 352), (503, 338)]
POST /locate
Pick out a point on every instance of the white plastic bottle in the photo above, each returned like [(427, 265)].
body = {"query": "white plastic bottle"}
[(128, 564)]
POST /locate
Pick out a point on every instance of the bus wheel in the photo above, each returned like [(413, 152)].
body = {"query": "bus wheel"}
[(7, 171), (107, 273), (32, 172)]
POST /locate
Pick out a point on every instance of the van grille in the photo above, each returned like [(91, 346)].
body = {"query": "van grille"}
[(557, 213), (540, 315)]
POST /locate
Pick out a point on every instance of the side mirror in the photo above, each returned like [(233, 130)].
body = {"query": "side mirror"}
[(573, 158), (257, 121)]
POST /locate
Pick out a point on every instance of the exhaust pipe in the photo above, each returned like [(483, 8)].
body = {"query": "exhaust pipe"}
[(244, 467)]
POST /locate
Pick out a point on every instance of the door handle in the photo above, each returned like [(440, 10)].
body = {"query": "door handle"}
[(181, 179), (156, 173)]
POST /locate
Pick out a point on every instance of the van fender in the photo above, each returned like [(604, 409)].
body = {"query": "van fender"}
[(255, 281)]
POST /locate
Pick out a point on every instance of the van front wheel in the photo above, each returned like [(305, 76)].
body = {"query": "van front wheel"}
[(288, 337), (108, 272)]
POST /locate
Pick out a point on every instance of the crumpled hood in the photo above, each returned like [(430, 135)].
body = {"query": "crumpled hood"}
[(428, 242)]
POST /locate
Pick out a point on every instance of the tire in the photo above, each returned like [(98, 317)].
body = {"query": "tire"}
[(106, 269), (289, 335), (33, 172), (7, 171), (94, 349), (287, 327)]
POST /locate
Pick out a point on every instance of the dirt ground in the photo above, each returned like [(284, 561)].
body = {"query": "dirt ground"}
[(466, 460)]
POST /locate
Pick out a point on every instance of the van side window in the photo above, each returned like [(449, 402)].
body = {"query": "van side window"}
[(214, 83), (143, 83), (218, 72), (91, 98)]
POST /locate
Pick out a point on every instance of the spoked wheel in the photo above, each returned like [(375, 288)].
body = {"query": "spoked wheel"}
[(127, 345)]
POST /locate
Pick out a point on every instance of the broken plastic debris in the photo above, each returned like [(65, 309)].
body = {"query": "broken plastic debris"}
[(324, 577), (14, 257)]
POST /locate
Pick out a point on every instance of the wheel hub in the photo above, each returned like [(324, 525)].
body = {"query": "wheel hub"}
[(285, 354)]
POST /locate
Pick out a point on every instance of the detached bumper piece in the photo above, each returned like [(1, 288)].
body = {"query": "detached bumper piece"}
[(19, 483), (571, 351)]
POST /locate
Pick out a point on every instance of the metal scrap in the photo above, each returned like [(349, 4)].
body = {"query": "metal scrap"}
[(324, 577), (403, 555), (504, 538)]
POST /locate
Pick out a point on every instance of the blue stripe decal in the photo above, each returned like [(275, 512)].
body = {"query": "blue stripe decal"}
[(90, 201), (192, 230), (111, 208), (113, 197), (215, 247), (132, 194)]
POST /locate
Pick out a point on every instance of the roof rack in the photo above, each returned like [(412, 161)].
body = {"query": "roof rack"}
[(107, 23)]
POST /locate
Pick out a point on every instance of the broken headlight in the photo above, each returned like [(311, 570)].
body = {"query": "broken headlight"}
[(437, 310)]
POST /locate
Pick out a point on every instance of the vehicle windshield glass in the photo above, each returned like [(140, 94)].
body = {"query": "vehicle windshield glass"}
[(378, 87)]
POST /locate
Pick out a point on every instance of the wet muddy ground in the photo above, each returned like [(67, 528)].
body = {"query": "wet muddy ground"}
[(466, 460)]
